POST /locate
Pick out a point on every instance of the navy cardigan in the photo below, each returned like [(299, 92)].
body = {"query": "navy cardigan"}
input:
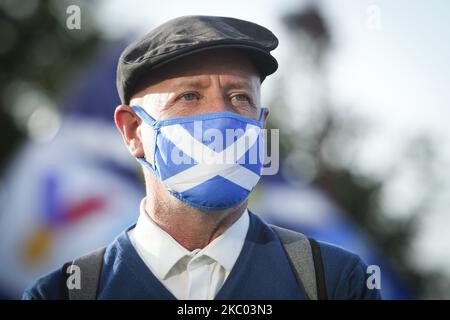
[(262, 271)]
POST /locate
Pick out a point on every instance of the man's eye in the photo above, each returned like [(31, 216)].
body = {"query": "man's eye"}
[(241, 98), (189, 96)]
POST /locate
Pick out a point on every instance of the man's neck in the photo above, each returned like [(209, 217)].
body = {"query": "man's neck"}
[(191, 228)]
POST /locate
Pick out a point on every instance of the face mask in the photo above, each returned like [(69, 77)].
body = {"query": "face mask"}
[(210, 161)]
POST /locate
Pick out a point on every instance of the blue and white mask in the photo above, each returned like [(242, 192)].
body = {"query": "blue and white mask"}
[(210, 161)]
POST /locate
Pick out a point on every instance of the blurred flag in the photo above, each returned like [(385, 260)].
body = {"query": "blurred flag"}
[(66, 197)]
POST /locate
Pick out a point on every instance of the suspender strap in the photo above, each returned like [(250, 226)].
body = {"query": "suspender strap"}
[(305, 259), (88, 268), (318, 266)]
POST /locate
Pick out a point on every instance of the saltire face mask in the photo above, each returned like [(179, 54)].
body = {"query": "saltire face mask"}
[(210, 161)]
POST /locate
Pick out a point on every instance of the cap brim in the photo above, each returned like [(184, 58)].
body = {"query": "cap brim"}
[(264, 62)]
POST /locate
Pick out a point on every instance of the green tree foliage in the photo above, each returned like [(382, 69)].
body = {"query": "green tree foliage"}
[(38, 53), (319, 150)]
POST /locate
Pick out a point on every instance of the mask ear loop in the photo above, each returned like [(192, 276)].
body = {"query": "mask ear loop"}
[(144, 116), (261, 120), (261, 115)]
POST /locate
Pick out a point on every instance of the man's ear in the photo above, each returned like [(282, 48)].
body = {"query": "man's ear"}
[(128, 124)]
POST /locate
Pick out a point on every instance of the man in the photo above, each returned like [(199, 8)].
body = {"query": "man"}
[(182, 87)]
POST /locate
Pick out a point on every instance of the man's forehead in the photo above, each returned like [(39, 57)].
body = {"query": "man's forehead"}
[(235, 69), (203, 81)]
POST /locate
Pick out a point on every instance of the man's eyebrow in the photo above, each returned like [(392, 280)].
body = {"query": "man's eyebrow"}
[(191, 83), (239, 84)]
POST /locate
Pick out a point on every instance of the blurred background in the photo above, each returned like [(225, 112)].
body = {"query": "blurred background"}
[(361, 100)]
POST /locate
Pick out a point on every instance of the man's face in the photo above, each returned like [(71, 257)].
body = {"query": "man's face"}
[(212, 81)]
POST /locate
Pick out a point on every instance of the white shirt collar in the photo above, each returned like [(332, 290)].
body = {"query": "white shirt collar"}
[(162, 252)]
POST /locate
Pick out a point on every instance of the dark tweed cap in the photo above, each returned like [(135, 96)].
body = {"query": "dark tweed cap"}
[(187, 35)]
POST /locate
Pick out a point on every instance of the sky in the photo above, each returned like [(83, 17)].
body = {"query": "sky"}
[(390, 58)]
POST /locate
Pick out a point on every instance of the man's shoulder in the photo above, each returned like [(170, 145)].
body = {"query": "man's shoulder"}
[(47, 287), (337, 255), (345, 273)]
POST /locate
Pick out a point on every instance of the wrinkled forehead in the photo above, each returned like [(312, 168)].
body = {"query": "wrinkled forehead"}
[(225, 62)]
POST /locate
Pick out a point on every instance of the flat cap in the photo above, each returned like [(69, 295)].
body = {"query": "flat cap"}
[(187, 35)]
